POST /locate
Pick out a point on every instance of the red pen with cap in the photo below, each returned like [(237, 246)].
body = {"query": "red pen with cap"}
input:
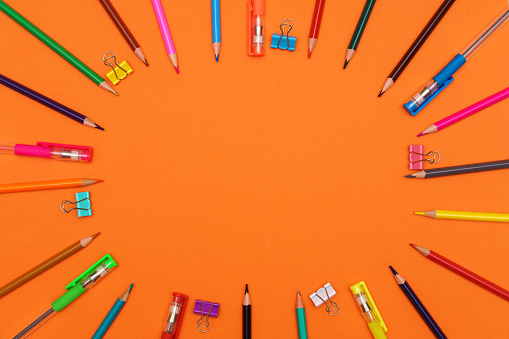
[(50, 151), (172, 324), (256, 12)]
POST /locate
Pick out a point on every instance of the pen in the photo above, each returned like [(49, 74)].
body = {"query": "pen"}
[(444, 78), (112, 314), (368, 309), (246, 315), (465, 113), (301, 317), (256, 11), (174, 320), (216, 27), (76, 288), (50, 151), (418, 305)]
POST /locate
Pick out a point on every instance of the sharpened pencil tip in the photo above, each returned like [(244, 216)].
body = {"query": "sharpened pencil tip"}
[(130, 288), (95, 235), (393, 270), (381, 92), (217, 58), (412, 245), (98, 180), (99, 127), (146, 63), (309, 54), (247, 290), (419, 213), (298, 293), (346, 64), (177, 69), (409, 176)]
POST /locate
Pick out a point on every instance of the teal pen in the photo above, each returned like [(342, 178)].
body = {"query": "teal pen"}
[(112, 314)]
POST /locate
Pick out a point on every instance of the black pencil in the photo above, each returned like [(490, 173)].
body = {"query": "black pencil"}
[(463, 169), (419, 307), (421, 39), (246, 315)]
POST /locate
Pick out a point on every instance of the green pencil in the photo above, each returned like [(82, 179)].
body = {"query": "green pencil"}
[(301, 318), (55, 46), (354, 42)]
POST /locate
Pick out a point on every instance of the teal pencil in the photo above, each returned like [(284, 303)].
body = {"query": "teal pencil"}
[(301, 318), (112, 314)]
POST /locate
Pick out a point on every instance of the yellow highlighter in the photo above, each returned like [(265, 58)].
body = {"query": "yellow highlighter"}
[(368, 309)]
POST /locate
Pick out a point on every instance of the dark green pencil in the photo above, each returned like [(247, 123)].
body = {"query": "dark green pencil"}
[(354, 42)]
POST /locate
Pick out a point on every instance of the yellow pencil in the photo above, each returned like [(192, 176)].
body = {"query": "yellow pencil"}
[(462, 215)]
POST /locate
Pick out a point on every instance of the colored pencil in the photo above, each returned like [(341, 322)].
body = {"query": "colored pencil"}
[(301, 317), (315, 25), (246, 315), (416, 46), (112, 314), (418, 305), (215, 6), (46, 265), (165, 33), (124, 30), (56, 47), (462, 169), (462, 215), (354, 42), (46, 185), (29, 93), (465, 113), (462, 271)]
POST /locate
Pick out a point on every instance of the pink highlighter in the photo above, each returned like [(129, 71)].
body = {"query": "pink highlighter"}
[(50, 151)]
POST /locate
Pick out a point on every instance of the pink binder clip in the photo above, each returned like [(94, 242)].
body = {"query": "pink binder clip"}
[(417, 157)]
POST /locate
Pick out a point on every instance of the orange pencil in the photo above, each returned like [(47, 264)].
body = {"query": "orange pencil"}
[(46, 185)]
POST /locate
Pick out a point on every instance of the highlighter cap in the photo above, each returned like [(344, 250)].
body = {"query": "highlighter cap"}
[(361, 287)]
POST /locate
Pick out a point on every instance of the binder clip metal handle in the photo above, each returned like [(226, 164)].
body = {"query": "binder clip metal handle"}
[(204, 328)]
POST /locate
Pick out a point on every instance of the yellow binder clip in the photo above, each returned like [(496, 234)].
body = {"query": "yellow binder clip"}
[(118, 71)]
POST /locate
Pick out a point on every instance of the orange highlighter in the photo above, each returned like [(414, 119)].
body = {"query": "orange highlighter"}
[(256, 11)]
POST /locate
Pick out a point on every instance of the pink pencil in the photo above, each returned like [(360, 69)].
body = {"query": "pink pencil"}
[(165, 32), (479, 106)]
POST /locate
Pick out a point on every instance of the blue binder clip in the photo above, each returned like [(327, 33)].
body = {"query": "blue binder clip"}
[(83, 205), (284, 41)]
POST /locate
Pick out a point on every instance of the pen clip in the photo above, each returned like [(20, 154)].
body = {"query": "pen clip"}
[(361, 287), (250, 23), (107, 260), (446, 83)]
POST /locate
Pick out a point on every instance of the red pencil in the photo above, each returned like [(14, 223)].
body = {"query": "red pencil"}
[(450, 265), (315, 25)]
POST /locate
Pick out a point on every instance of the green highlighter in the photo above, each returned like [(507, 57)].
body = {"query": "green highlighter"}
[(76, 288)]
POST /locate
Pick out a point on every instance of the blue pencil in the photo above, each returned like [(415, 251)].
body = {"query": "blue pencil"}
[(112, 314), (216, 27)]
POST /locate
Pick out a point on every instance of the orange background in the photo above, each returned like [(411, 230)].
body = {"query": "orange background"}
[(280, 171)]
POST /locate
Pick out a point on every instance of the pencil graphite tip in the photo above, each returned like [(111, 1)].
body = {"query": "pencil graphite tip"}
[(413, 245), (420, 134), (409, 176), (177, 69), (381, 92), (95, 235), (99, 127), (130, 288), (98, 180), (419, 213), (217, 58), (309, 54), (247, 290), (145, 62), (346, 64), (298, 293), (393, 270)]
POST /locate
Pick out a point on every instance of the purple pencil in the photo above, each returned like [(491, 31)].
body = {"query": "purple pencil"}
[(68, 112), (479, 106)]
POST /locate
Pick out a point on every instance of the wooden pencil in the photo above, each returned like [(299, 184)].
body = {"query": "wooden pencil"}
[(124, 30), (359, 30), (462, 271), (315, 26), (246, 315), (46, 265), (418, 305), (46, 185), (462, 169), (301, 317), (463, 215)]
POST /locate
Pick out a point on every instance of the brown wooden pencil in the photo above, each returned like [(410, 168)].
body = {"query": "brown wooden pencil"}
[(126, 33), (46, 265), (46, 185)]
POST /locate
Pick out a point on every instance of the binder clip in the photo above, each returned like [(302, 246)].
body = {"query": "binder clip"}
[(207, 309), (417, 157), (284, 41), (324, 294), (83, 205), (119, 71)]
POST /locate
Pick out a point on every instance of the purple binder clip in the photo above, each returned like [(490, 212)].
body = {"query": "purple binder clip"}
[(205, 309)]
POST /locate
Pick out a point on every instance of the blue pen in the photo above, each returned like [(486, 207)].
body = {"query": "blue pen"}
[(444, 78), (112, 314), (216, 27)]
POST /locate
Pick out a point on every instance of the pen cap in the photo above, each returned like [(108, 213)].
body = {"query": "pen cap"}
[(362, 296), (68, 152)]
